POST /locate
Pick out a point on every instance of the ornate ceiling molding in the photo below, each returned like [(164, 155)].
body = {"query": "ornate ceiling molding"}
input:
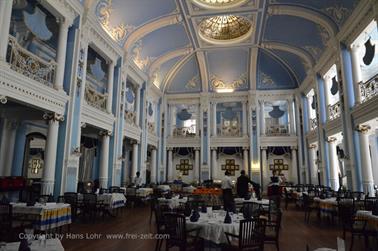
[(305, 13), (174, 70), (307, 59), (142, 31), (219, 4), (203, 70), (217, 83), (168, 56)]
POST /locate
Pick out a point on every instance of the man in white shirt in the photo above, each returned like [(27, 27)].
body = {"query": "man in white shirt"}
[(138, 180), (228, 198)]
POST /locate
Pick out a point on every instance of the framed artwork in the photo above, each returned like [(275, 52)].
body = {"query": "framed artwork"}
[(223, 167), (184, 166), (237, 167), (177, 167)]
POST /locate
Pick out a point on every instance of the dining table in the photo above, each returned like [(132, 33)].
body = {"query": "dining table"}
[(111, 200), (327, 206), (36, 245), (212, 226), (44, 216), (372, 220), (174, 202)]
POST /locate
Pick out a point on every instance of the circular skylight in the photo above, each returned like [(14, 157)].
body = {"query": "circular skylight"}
[(219, 4), (225, 29)]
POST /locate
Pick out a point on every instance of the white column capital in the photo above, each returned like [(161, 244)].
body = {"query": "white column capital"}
[(312, 146), (3, 99), (364, 129), (53, 117), (293, 148), (105, 133), (331, 140)]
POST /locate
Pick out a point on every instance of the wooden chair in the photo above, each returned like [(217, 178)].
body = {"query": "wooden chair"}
[(251, 235), (308, 207), (272, 233), (160, 210), (91, 206), (251, 209), (175, 227), (72, 199), (288, 198), (6, 222), (369, 203)]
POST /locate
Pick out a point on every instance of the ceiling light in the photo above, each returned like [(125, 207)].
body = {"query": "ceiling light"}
[(219, 4)]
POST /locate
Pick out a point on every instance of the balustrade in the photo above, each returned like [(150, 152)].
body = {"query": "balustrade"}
[(313, 124), (130, 117), (369, 89), (229, 131), (94, 98), (184, 132), (277, 130), (28, 64), (334, 111)]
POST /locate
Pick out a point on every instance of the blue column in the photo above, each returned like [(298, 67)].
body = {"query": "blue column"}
[(19, 150)]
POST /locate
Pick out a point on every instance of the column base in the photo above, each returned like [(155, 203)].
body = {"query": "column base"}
[(368, 187), (334, 184), (47, 187), (103, 182)]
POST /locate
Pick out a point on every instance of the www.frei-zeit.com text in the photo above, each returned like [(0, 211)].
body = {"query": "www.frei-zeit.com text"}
[(96, 236)]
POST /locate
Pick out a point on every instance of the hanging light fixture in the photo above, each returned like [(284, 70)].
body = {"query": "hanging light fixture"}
[(369, 52), (334, 88)]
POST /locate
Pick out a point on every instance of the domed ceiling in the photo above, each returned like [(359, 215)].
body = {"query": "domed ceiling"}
[(218, 45)]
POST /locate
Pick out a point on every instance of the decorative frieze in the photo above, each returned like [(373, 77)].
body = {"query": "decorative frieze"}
[(130, 117), (53, 116), (151, 127), (30, 65), (3, 99), (313, 124)]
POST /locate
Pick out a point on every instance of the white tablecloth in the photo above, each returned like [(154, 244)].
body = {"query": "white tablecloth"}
[(51, 245), (188, 189), (45, 217), (212, 229), (175, 202), (144, 192), (264, 202), (111, 200), (164, 187)]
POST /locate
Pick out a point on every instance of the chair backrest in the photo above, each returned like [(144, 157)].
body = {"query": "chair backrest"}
[(252, 233), (251, 209), (345, 212), (70, 198), (90, 199), (46, 198), (369, 203), (357, 195), (276, 220), (5, 212), (114, 189), (175, 227)]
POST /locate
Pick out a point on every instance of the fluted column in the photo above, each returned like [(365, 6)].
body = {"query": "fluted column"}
[(245, 160), (5, 18), (137, 108), (8, 138), (244, 118), (214, 116), (153, 165), (294, 165), (262, 109), (126, 170), (48, 179), (356, 71), (109, 101), (104, 158), (264, 166), (366, 168), (170, 164), (213, 162), (309, 113), (173, 118), (327, 85), (196, 163), (334, 165), (291, 117), (61, 53), (312, 158), (134, 163)]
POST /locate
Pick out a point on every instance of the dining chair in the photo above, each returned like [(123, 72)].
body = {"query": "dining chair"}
[(308, 207), (91, 205), (72, 199), (6, 222), (272, 232), (160, 210), (251, 235), (251, 209), (179, 236), (369, 203)]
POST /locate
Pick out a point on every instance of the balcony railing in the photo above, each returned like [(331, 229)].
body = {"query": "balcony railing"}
[(277, 130), (184, 132), (369, 89), (151, 127), (130, 117), (30, 65), (94, 98), (229, 131), (313, 124), (334, 111)]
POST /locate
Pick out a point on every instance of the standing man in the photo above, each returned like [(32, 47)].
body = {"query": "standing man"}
[(138, 180), (242, 185), (228, 198)]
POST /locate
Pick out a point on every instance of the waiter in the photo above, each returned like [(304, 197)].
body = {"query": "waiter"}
[(228, 198), (242, 185)]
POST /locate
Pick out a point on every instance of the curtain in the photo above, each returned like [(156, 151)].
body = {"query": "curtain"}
[(86, 163)]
